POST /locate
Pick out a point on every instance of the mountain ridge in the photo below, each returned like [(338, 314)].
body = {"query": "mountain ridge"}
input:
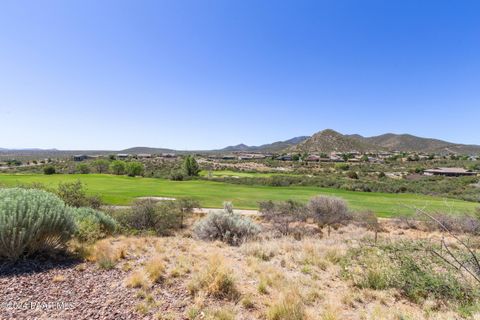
[(324, 141)]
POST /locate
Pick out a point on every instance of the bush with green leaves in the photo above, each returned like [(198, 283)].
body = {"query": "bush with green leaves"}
[(74, 194), (93, 224), (160, 217), (82, 168), (226, 226), (134, 168), (117, 167), (48, 170), (32, 221), (101, 165)]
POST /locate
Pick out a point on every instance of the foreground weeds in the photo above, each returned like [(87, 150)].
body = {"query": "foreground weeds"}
[(411, 268)]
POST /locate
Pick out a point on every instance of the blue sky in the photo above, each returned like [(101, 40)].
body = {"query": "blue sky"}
[(199, 74)]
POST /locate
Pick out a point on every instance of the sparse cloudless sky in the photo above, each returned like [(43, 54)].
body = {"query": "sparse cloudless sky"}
[(202, 74)]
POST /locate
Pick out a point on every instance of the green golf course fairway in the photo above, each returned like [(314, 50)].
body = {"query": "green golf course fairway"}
[(122, 190)]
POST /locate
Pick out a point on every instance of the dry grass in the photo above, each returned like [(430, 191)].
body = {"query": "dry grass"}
[(137, 279), (155, 269), (216, 280), (271, 278), (59, 278), (107, 253), (288, 307)]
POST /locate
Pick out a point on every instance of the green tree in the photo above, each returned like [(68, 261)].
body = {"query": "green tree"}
[(101, 165), (134, 168), (117, 167), (190, 166), (83, 168), (49, 170)]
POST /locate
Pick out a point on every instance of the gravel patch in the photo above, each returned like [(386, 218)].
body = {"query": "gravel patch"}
[(64, 290)]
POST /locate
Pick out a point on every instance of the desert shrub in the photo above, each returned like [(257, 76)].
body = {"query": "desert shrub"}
[(32, 221), (329, 211), (117, 167), (457, 223), (134, 168), (352, 175), (283, 214), (409, 267), (226, 226), (460, 223), (49, 170), (151, 215), (342, 166), (185, 208), (93, 224), (101, 165), (83, 168), (74, 194), (368, 220), (176, 175)]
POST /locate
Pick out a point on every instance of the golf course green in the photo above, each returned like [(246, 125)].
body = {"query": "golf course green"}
[(122, 190)]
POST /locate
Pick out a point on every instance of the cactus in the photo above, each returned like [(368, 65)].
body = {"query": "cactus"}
[(32, 221), (93, 224)]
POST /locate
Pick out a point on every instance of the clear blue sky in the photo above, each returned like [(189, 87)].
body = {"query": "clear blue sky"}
[(203, 74)]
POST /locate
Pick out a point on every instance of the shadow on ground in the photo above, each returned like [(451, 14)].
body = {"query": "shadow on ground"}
[(36, 265)]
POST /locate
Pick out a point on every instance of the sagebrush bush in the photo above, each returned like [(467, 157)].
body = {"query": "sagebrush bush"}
[(93, 224), (32, 221), (329, 211), (226, 226)]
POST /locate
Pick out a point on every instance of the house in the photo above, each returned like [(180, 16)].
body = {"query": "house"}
[(312, 158), (144, 155), (449, 172), (123, 156), (80, 157), (285, 158), (169, 155)]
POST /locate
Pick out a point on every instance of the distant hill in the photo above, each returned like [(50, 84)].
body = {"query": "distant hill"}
[(324, 141), (149, 150), (407, 142), (329, 141), (271, 147)]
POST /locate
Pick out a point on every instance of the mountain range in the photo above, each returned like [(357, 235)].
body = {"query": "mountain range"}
[(324, 141), (329, 140)]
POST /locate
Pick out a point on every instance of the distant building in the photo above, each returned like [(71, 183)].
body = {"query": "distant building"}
[(169, 155), (285, 158), (449, 172), (144, 155), (123, 156), (80, 157), (312, 158)]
